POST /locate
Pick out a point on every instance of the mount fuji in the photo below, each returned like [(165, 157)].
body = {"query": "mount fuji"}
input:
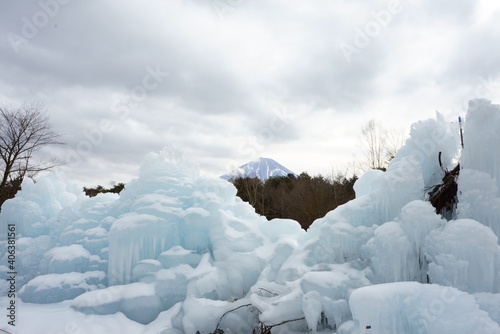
[(261, 168)]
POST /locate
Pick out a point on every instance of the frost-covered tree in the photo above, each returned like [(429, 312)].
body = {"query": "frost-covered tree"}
[(24, 130)]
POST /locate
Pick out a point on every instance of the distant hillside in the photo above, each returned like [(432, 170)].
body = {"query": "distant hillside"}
[(261, 168)]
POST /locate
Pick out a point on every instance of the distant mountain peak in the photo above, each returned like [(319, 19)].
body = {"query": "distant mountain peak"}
[(261, 168)]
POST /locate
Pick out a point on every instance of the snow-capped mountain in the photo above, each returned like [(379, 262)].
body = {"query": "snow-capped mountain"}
[(261, 168)]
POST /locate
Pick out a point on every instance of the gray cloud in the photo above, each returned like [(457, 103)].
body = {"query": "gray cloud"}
[(231, 68)]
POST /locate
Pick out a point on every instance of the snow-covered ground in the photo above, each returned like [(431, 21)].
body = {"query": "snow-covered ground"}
[(180, 253)]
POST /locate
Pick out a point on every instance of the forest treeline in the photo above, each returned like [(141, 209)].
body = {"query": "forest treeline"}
[(302, 198)]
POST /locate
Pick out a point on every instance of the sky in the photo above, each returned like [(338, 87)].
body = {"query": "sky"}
[(228, 81)]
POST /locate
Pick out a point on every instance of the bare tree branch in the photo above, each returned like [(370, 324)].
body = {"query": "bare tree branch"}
[(217, 328), (23, 131), (378, 145)]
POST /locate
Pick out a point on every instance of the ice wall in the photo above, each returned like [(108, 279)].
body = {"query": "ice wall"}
[(170, 206), (479, 182), (59, 232), (463, 254), (397, 251), (482, 139), (427, 139), (38, 203), (182, 236)]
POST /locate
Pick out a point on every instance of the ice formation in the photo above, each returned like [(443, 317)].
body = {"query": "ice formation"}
[(53, 288), (421, 308), (177, 252)]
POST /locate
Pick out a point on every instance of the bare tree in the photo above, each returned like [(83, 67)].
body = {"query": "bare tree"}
[(23, 131), (373, 141), (378, 145), (395, 140)]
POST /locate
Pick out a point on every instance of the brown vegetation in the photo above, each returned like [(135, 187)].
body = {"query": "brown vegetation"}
[(91, 192), (302, 198)]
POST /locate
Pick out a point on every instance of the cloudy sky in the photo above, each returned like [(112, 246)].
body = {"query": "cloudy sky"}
[(227, 81)]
